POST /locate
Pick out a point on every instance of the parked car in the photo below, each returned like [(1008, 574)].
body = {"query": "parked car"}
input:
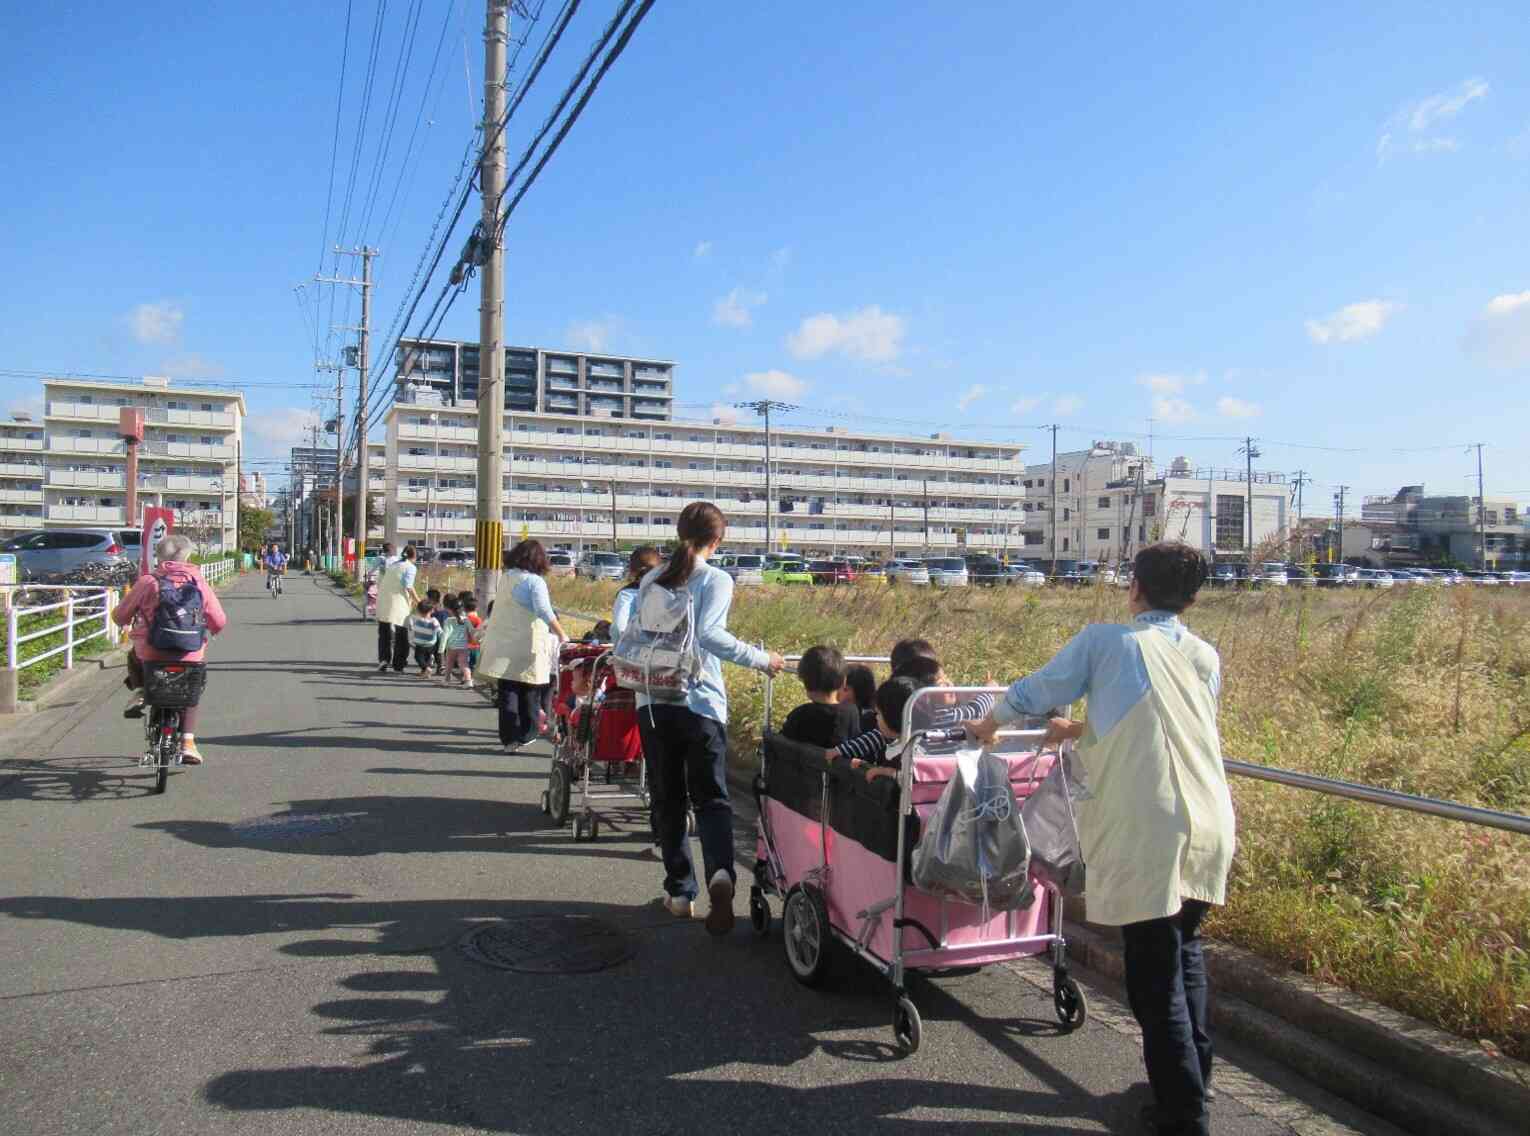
[(947, 571), (560, 564), (455, 558), (1225, 575), (1124, 575), (874, 571), (747, 569), (601, 566), (62, 552), (1089, 572), (787, 572), (908, 571), (832, 572), (1374, 578), (1333, 575), (985, 570), (1300, 577), (1271, 574), (1026, 575), (1490, 579), (1515, 579)]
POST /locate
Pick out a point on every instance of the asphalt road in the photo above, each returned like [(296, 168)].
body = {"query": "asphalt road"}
[(273, 945)]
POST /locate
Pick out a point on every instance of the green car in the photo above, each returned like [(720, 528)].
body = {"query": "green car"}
[(788, 572)]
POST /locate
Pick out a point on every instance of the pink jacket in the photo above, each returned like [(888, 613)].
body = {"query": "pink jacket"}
[(137, 608)]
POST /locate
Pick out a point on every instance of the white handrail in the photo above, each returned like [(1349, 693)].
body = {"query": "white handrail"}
[(219, 570), (81, 607)]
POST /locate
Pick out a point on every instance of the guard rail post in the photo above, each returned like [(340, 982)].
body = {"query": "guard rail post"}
[(113, 632), (69, 629), (10, 685)]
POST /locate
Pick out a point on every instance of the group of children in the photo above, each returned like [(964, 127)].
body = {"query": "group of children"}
[(850, 717), (445, 635)]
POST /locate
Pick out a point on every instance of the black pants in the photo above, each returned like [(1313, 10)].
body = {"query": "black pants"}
[(687, 757), (393, 645), (1166, 986), (519, 703)]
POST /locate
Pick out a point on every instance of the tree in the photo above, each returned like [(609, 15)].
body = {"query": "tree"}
[(254, 524)]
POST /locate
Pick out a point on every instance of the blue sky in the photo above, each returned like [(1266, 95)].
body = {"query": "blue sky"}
[(1309, 225)]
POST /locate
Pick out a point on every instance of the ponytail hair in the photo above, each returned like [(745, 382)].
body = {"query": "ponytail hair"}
[(700, 526), (642, 561)]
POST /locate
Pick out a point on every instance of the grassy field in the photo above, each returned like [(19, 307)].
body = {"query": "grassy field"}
[(1421, 689)]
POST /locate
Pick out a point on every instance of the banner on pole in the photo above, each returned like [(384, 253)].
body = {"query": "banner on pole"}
[(157, 524)]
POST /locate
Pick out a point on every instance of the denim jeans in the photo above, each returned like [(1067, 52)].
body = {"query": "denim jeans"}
[(687, 756), (1166, 986)]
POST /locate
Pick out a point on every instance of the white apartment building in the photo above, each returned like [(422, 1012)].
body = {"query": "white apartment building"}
[(21, 474), (1110, 502), (188, 460), (577, 482)]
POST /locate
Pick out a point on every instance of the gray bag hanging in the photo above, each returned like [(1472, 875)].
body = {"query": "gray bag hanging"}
[(1052, 827), (973, 848)]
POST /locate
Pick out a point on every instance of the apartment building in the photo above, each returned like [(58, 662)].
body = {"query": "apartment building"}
[(538, 380), (577, 482), (1110, 502), (22, 474), (188, 460), (1413, 527)]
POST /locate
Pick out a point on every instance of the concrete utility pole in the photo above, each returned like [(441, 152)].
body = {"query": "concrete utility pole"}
[(313, 468), (1481, 515), (763, 407), (1338, 503), (1250, 452), (1052, 567), (489, 536), (1301, 479), (927, 516), (363, 363)]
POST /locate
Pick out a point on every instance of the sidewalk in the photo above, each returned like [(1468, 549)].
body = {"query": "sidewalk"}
[(273, 944)]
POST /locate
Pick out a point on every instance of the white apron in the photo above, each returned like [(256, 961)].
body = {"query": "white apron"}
[(1157, 827), (516, 643), (392, 600)]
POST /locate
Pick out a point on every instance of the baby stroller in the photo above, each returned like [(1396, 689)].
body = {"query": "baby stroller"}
[(838, 851), (597, 751), (369, 603)]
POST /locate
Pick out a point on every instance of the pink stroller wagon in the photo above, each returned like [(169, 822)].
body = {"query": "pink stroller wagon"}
[(838, 849)]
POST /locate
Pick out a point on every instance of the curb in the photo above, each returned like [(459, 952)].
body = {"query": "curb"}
[(1389, 1064), (65, 681)]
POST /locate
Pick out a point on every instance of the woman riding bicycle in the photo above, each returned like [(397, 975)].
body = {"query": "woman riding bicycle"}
[(276, 566), (138, 607)]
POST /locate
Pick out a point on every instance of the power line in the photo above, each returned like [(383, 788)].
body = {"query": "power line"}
[(334, 155), (390, 114)]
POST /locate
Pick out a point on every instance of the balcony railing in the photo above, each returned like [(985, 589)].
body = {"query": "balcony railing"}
[(92, 514)]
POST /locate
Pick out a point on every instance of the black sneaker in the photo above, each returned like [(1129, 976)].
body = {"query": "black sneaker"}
[(133, 710)]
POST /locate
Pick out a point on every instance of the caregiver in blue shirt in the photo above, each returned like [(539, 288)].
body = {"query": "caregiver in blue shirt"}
[(686, 743)]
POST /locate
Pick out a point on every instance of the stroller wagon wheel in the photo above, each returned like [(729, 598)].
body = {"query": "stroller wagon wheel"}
[(907, 1027), (805, 933), (546, 802), (759, 913), (1068, 997), (557, 794)]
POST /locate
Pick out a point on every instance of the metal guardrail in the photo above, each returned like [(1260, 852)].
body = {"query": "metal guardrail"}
[(78, 610), (219, 570)]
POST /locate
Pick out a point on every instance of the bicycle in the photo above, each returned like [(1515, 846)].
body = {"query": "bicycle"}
[(169, 689), (274, 581)]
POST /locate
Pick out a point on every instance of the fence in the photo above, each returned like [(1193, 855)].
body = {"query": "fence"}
[(220, 570), (84, 614)]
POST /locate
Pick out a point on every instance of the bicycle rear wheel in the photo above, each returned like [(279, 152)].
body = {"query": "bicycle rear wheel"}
[(167, 741)]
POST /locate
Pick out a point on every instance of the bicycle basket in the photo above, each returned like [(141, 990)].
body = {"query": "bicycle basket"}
[(176, 685)]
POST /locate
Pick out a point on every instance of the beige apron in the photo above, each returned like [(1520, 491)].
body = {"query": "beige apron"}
[(516, 644), (1158, 827), (392, 600)]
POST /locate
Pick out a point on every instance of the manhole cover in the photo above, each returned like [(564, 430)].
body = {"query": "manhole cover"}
[(548, 944), (289, 825)]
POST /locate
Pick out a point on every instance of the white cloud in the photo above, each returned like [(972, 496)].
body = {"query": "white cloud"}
[(733, 310), (732, 388), (1436, 108), (1230, 407), (159, 322), (970, 395), (1170, 384), (28, 404), (1407, 129), (1501, 335), (1352, 322), (1169, 408), (1067, 404), (1027, 404), (590, 335), (870, 334), (724, 413), (281, 429), (702, 250), (775, 384)]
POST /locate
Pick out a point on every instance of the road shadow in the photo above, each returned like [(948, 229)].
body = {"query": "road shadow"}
[(509, 774), (75, 780), (335, 737), (688, 1034)]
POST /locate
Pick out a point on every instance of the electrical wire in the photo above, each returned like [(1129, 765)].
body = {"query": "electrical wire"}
[(334, 157)]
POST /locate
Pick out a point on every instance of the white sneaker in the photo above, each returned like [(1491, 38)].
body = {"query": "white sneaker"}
[(720, 891), (679, 906)]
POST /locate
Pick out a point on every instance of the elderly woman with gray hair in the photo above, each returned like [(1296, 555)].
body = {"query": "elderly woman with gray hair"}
[(137, 608)]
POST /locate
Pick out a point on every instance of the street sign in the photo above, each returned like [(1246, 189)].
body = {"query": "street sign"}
[(157, 523), (7, 567)]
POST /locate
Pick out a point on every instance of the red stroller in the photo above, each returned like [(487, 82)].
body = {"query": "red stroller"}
[(595, 727)]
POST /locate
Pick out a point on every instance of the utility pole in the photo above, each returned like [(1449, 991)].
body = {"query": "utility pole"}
[(1338, 500), (363, 362), (313, 467), (763, 407), (613, 516), (926, 517), (1250, 452), (1481, 515), (489, 536), (1301, 479), (1052, 549), (892, 529)]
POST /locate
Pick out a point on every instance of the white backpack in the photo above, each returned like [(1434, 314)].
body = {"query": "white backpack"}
[(657, 653)]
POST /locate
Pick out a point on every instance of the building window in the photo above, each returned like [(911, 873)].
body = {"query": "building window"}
[(1229, 521), (1104, 502), (1033, 538), (1149, 505), (1102, 534), (1067, 485), (1067, 514), (1065, 544)]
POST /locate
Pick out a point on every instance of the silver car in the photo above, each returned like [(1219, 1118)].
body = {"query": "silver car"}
[(1027, 575), (746, 569), (65, 552), (602, 566), (907, 572), (947, 571)]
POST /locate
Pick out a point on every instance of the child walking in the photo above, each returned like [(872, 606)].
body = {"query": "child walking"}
[(424, 635), (457, 639)]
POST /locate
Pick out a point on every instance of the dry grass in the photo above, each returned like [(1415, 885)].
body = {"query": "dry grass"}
[(1423, 690)]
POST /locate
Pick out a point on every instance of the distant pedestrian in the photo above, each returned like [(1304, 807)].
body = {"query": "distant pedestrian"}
[(516, 640), (396, 600)]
